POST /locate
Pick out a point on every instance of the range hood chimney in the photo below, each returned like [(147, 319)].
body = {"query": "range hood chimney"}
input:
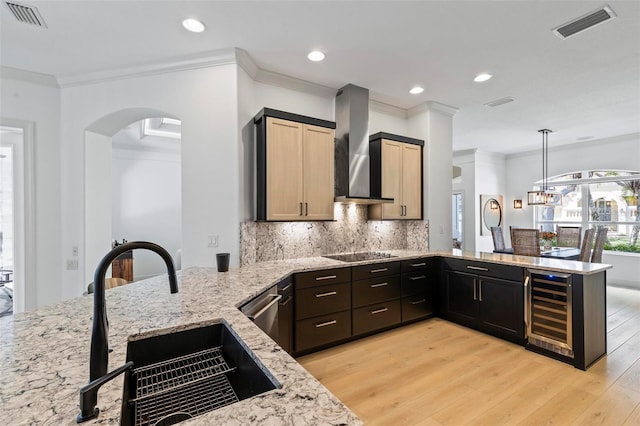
[(352, 171)]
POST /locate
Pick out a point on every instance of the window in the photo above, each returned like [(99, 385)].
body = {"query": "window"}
[(597, 198)]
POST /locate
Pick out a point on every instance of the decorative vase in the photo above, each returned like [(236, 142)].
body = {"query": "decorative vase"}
[(546, 244)]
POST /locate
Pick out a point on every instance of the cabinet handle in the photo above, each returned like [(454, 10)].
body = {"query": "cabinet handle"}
[(404, 210), (379, 311), (301, 210), (526, 302), (329, 293), (477, 268), (421, 277), (283, 289), (378, 285), (415, 265), (373, 271), (326, 277), (306, 209), (417, 302), (324, 324), (286, 301), (480, 289), (475, 296)]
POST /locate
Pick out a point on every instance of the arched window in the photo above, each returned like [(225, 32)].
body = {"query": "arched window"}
[(597, 198)]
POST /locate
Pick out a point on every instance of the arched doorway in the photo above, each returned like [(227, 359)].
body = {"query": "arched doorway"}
[(123, 183)]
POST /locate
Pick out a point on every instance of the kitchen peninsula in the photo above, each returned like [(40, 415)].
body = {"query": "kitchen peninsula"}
[(44, 353)]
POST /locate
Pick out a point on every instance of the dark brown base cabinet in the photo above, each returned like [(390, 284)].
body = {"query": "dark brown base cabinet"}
[(334, 306), (473, 296)]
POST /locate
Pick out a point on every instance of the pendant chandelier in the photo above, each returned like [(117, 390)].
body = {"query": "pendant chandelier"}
[(543, 196)]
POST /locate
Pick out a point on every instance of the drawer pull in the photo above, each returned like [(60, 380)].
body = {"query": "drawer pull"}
[(417, 302), (283, 289), (378, 285), (324, 324), (421, 277), (329, 293), (477, 268), (415, 265), (379, 270), (327, 277), (379, 311)]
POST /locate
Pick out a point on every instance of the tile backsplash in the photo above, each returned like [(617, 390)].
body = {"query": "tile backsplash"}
[(350, 231)]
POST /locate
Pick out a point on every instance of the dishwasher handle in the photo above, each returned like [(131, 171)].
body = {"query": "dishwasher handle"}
[(276, 299)]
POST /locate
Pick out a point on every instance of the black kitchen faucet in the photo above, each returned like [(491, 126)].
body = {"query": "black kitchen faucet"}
[(100, 330)]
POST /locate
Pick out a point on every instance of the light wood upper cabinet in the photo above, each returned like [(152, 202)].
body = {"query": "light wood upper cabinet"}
[(396, 172), (295, 167)]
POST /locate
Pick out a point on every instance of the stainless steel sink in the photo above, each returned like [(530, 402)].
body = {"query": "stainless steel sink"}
[(177, 376)]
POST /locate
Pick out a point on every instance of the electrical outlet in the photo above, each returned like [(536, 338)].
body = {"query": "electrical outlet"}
[(74, 251), (213, 241), (72, 264)]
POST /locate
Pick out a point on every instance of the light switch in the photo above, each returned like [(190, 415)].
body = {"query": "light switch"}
[(213, 241)]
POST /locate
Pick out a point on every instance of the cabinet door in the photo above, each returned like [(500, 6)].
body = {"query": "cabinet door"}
[(392, 178), (460, 297), (501, 308), (412, 181), (284, 170), (318, 153)]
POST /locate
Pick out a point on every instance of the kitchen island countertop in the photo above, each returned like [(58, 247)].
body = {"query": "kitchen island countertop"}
[(44, 354)]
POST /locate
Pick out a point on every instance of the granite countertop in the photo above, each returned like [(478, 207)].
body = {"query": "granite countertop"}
[(44, 354)]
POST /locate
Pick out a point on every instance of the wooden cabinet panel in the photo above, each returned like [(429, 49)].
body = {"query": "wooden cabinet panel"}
[(376, 317), (318, 153), (501, 306), (375, 270), (375, 290), (412, 181), (396, 172), (295, 167), (417, 306), (322, 277), (460, 297), (392, 179), (284, 171), (318, 331), (321, 300)]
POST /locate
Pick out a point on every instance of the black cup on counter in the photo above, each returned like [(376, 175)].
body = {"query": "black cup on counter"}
[(222, 260)]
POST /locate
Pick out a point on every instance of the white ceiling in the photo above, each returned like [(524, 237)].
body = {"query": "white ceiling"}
[(587, 86)]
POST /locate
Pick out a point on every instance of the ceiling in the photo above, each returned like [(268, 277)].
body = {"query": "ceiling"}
[(585, 87)]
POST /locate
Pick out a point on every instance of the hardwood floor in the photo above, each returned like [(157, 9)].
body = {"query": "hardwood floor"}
[(439, 373)]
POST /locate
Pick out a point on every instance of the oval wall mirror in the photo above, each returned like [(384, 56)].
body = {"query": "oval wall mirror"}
[(492, 213)]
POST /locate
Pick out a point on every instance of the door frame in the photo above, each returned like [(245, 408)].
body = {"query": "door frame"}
[(24, 291)]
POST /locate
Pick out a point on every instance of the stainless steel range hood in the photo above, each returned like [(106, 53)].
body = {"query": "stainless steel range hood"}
[(352, 171)]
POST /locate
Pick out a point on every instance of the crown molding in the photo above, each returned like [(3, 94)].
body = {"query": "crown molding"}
[(287, 82), (387, 109), (431, 106), (187, 62), (246, 62), (28, 76)]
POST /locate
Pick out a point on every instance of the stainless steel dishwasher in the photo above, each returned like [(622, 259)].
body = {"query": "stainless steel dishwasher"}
[(263, 311)]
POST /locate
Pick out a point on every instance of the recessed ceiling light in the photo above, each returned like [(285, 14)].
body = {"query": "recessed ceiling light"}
[(193, 25), (482, 77), (315, 56), (416, 90)]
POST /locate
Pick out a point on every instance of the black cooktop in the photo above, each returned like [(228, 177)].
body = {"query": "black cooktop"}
[(358, 257)]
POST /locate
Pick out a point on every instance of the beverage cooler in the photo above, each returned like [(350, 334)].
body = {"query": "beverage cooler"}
[(548, 311)]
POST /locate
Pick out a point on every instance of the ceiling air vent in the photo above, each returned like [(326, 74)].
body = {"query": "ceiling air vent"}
[(585, 22), (499, 102), (26, 14)]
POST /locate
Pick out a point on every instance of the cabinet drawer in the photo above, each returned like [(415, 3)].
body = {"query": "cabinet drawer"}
[(506, 272), (375, 270), (417, 306), (417, 282), (374, 317), (321, 330), (325, 276), (320, 300), (375, 290), (418, 264)]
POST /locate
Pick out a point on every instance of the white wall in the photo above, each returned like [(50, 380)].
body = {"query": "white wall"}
[(40, 104), (97, 193), (491, 180), (467, 184), (206, 101), (388, 119), (146, 204), (434, 125)]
